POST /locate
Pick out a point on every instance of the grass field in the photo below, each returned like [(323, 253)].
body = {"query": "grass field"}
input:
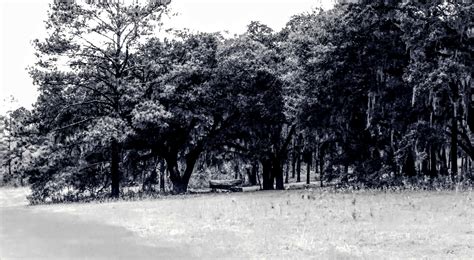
[(300, 223)]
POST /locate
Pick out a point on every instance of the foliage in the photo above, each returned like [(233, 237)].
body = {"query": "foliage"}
[(377, 92)]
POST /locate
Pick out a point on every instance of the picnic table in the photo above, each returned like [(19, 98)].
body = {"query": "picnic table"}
[(231, 185)]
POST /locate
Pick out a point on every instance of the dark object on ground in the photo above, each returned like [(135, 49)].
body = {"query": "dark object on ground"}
[(231, 185)]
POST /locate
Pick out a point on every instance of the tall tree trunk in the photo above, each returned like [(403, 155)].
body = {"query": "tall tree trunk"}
[(153, 180), (253, 174), (172, 167), (444, 164), (316, 165), (298, 165), (293, 159), (287, 171), (298, 169), (162, 176), (180, 182), (191, 160), (144, 182), (114, 169), (237, 174), (409, 167), (469, 167), (454, 145), (267, 174), (321, 166), (179, 185), (279, 158), (308, 167), (277, 172), (258, 179), (434, 162), (299, 152), (425, 167), (9, 177)]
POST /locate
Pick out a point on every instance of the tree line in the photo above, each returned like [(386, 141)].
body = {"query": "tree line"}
[(370, 93)]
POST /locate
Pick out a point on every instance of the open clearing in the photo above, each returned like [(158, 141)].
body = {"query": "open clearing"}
[(287, 224)]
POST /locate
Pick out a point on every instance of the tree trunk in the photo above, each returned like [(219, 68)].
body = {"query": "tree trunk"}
[(180, 187), (469, 167), (293, 160), (180, 182), (277, 173), (444, 164), (409, 167), (162, 176), (237, 173), (316, 165), (424, 167), (253, 174), (153, 180), (308, 168), (9, 177), (267, 175), (144, 181), (114, 169), (321, 166), (287, 171), (454, 146), (279, 158), (298, 165), (434, 163)]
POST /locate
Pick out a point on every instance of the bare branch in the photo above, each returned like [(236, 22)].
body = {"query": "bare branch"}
[(74, 124)]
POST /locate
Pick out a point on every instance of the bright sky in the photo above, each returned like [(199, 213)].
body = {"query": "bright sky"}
[(21, 21)]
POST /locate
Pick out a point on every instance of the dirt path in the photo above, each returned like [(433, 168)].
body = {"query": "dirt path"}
[(26, 233)]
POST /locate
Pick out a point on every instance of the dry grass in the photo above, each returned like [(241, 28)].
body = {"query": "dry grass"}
[(301, 224), (12, 197)]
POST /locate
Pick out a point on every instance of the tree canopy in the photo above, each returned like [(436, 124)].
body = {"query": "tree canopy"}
[(371, 93)]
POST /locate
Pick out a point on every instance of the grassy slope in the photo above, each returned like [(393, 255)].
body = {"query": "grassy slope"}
[(301, 223)]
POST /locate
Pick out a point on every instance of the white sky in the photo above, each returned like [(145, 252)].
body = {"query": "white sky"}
[(21, 21)]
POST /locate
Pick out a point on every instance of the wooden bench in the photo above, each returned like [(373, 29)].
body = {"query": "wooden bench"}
[(231, 185)]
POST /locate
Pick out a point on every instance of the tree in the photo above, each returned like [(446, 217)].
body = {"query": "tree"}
[(439, 37), (373, 104), (268, 123), (185, 91), (353, 60), (15, 145), (218, 95), (84, 74)]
